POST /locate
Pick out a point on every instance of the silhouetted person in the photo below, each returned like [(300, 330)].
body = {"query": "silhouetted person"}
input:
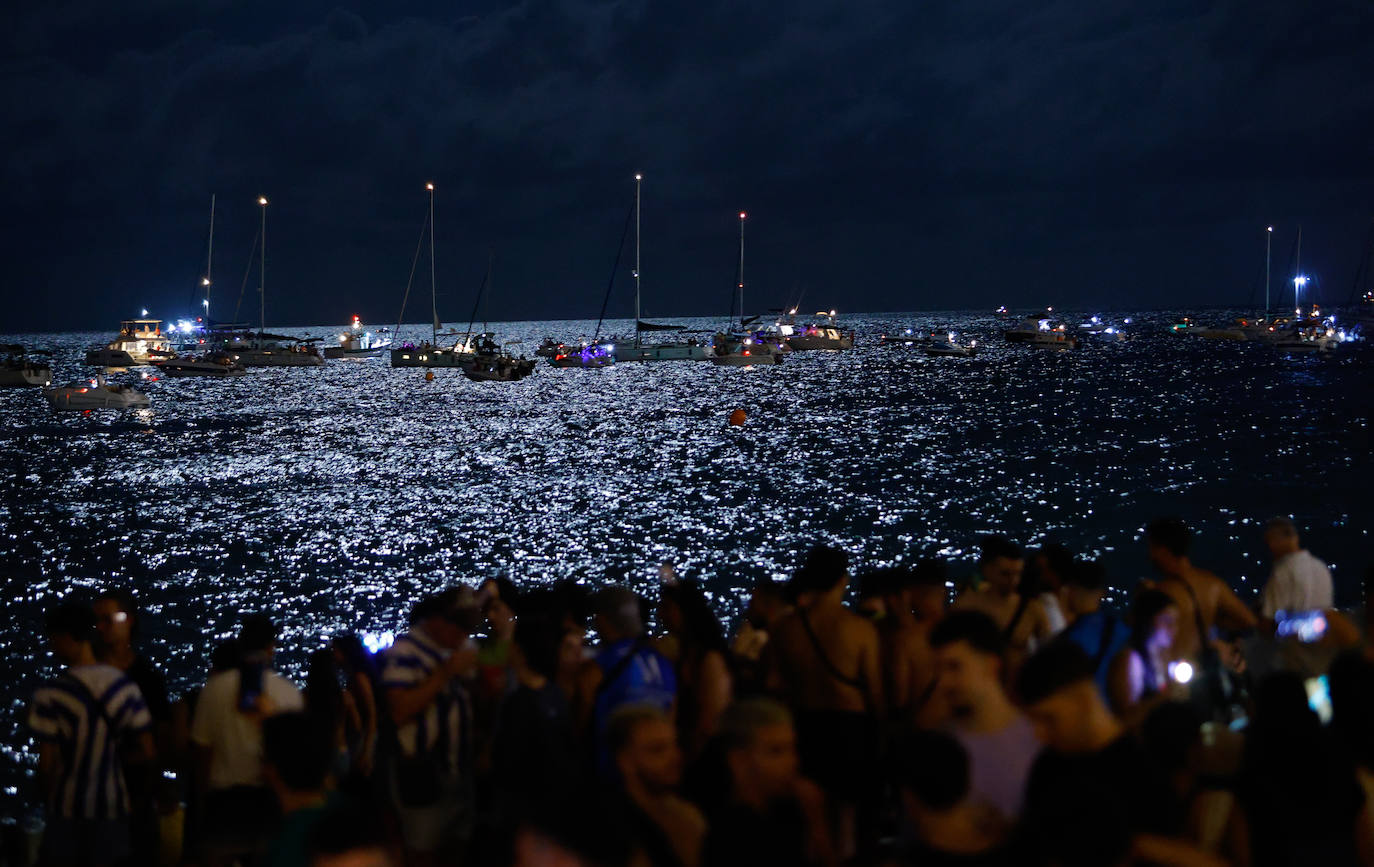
[(827, 665), (432, 770), (669, 830), (995, 591), (771, 815), (1001, 745), (237, 811), (93, 731)]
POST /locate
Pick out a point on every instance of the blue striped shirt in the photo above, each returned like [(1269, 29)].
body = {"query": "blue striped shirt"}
[(444, 728), (87, 713)]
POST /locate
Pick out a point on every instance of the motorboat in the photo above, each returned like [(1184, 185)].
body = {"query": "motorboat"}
[(824, 333), (217, 362), (1099, 330), (274, 350), (95, 394), (427, 354), (357, 343), (140, 341), (492, 363), (688, 350), (906, 338), (548, 348), (946, 347), (594, 354), (1056, 339), (1029, 327), (732, 350), (23, 369), (1038, 331)]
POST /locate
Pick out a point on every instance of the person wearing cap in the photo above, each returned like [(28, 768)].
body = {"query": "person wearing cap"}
[(1299, 582), (239, 811), (430, 711)]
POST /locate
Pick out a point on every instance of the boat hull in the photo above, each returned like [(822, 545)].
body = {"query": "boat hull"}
[(340, 352), (663, 352), (80, 399), (429, 357), (210, 369), (278, 358), (25, 377), (804, 342), (747, 359), (498, 371)]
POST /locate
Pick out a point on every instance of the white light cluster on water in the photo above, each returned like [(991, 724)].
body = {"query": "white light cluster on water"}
[(334, 497)]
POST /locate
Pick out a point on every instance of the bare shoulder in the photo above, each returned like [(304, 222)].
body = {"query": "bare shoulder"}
[(858, 626)]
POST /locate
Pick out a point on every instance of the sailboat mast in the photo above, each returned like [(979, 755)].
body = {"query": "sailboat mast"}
[(209, 261), (1268, 243), (741, 269), (433, 287), (1297, 276), (638, 180), (262, 274)]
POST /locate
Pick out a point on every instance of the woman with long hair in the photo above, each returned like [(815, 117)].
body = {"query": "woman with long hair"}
[(1144, 672), (705, 683)]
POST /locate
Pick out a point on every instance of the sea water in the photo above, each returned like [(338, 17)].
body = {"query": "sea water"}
[(334, 497)]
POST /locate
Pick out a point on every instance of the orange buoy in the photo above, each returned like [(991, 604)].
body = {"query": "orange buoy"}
[(429, 376), (738, 417)]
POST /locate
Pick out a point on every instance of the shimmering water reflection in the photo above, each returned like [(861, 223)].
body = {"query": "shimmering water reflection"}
[(334, 497)]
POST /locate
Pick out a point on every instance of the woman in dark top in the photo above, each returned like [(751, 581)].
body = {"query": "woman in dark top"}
[(702, 658), (360, 678)]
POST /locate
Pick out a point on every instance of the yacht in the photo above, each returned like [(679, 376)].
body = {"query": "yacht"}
[(548, 348), (140, 341), (357, 343), (947, 347), (492, 363), (21, 368), (595, 354), (215, 363), (1038, 332), (908, 337), (276, 350), (95, 394), (732, 350), (824, 333)]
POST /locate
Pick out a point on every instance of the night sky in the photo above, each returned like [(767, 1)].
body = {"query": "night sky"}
[(892, 154)]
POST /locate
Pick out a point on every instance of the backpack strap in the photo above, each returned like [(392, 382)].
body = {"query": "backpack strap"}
[(1016, 617), (830, 667)]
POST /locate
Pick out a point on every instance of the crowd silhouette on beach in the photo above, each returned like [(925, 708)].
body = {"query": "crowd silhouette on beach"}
[(901, 716)]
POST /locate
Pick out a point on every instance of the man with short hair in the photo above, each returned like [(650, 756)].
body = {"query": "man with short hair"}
[(827, 665), (239, 812), (90, 722), (995, 591), (643, 744), (626, 670), (772, 815), (1204, 601), (1299, 582), (1099, 632), (1000, 742), (1092, 793), (432, 774)]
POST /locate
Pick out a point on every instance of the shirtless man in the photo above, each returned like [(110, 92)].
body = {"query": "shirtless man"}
[(915, 601), (1023, 621), (1202, 597), (825, 663)]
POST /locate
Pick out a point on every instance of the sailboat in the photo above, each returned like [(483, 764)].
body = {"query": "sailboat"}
[(486, 360), (740, 347), (271, 350), (428, 353), (689, 350)]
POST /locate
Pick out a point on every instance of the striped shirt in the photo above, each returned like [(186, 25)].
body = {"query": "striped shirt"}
[(87, 713), (444, 728)]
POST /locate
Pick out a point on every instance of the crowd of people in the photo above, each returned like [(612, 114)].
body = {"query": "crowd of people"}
[(896, 717)]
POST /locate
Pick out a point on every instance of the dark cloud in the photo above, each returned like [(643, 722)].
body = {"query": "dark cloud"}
[(893, 154)]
